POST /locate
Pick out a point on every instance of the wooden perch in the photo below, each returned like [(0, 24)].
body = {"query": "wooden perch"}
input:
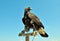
[(28, 34)]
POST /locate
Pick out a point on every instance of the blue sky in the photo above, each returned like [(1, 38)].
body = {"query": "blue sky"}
[(12, 11)]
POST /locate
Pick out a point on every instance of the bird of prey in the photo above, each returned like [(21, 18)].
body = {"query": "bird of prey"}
[(30, 19)]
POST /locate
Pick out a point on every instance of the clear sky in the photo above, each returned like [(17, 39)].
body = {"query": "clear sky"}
[(12, 11)]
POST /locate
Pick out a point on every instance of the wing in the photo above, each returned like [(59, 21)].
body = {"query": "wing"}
[(35, 19)]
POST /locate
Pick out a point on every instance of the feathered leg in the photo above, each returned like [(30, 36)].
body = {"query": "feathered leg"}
[(26, 29)]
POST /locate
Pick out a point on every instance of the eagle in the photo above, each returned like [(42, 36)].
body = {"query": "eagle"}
[(32, 21)]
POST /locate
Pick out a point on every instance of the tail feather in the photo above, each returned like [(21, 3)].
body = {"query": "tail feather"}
[(44, 35), (42, 32)]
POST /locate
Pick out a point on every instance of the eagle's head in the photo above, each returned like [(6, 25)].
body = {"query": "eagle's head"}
[(27, 9)]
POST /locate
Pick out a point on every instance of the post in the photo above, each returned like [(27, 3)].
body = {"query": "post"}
[(27, 38)]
